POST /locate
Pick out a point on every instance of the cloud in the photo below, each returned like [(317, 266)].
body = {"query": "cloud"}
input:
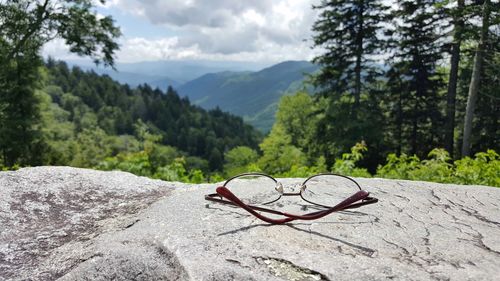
[(200, 13), (220, 29)]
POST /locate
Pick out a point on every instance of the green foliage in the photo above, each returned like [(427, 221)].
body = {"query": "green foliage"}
[(298, 116), (137, 163), (483, 169), (27, 25), (347, 164), (90, 121), (91, 148), (142, 164), (238, 160), (485, 128), (20, 141), (404, 111), (304, 171), (279, 155)]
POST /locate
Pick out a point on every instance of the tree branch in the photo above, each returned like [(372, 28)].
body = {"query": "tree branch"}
[(42, 16)]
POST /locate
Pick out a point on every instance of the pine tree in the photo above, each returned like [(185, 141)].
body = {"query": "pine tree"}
[(19, 115), (414, 80), (351, 32), (457, 15)]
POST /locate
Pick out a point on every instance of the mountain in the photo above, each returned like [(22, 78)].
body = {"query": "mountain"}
[(164, 73), (131, 78), (252, 95), (187, 70)]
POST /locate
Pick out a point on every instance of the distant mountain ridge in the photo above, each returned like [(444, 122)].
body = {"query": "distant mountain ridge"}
[(134, 79), (252, 95), (162, 74)]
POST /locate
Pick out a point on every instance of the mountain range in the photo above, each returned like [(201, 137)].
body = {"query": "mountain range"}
[(251, 95), (164, 73), (242, 88)]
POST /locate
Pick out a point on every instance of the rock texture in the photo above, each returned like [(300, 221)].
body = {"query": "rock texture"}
[(76, 224)]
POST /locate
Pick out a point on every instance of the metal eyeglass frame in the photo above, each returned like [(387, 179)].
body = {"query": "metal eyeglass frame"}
[(358, 199)]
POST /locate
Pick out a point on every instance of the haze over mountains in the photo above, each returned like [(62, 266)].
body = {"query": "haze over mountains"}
[(165, 73), (245, 89)]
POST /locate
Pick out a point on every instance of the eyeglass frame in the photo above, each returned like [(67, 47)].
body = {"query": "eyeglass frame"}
[(349, 203)]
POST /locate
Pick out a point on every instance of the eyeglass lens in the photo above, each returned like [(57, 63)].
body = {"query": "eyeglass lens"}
[(328, 190), (254, 189)]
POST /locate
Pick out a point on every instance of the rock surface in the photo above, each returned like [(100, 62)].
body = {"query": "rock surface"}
[(77, 224)]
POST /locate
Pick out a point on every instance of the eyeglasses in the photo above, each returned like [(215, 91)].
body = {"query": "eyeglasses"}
[(327, 192)]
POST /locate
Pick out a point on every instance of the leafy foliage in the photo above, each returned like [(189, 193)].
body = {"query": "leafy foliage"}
[(238, 160), (483, 169), (347, 164)]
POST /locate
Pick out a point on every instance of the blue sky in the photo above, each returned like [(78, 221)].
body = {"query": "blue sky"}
[(265, 31)]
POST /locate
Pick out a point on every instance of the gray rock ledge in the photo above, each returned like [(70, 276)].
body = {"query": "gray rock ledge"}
[(77, 224)]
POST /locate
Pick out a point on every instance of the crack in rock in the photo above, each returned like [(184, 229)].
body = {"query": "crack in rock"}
[(478, 216)]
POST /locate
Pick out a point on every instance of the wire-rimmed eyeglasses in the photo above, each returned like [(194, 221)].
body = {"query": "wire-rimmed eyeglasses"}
[(327, 192)]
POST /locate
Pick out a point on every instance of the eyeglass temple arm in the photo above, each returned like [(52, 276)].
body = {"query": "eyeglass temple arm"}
[(360, 195), (366, 201), (213, 197)]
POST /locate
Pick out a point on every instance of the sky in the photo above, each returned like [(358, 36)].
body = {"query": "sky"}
[(267, 31)]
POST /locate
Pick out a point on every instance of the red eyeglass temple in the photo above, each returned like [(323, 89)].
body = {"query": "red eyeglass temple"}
[(360, 195)]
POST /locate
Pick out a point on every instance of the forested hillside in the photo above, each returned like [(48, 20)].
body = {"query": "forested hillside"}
[(91, 117), (252, 95)]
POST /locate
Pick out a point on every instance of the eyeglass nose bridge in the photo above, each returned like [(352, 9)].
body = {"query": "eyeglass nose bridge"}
[(279, 188), (294, 187)]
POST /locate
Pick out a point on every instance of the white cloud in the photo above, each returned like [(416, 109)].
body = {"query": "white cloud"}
[(58, 49), (260, 30)]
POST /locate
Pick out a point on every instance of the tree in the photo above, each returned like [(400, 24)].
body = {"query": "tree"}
[(298, 116), (458, 23), (413, 78), (25, 26), (19, 127), (475, 79), (238, 158), (215, 160), (279, 155), (349, 30)]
